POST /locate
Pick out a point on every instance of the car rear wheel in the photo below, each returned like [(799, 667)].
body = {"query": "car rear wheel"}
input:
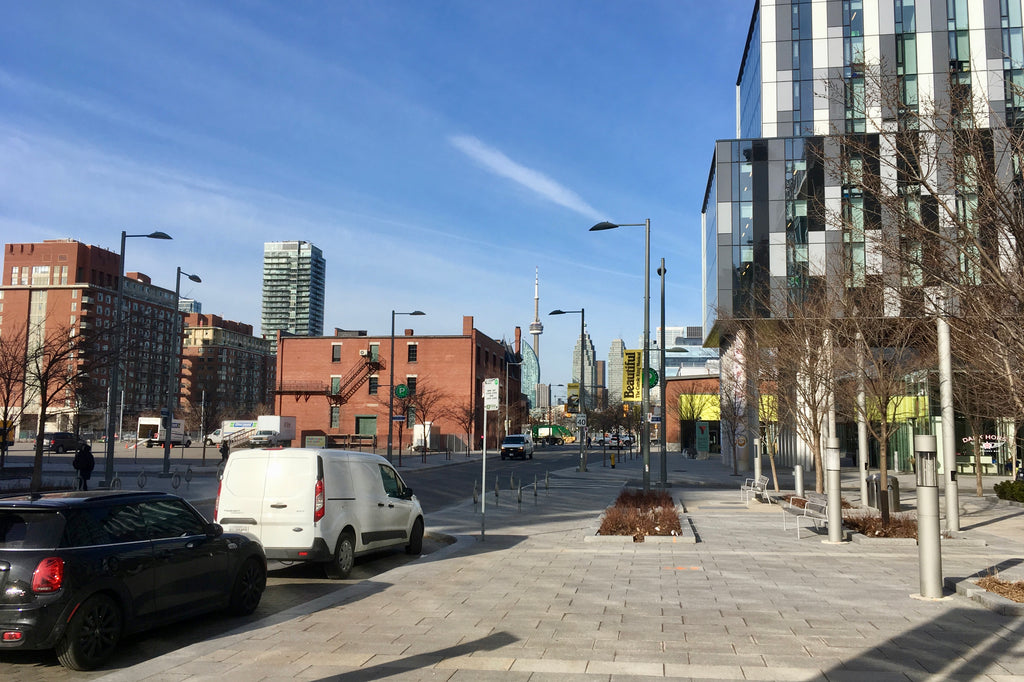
[(92, 634), (344, 558), (60, 449), (415, 545), (249, 585)]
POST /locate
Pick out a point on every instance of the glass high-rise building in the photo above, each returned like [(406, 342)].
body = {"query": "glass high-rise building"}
[(828, 91), (294, 275)]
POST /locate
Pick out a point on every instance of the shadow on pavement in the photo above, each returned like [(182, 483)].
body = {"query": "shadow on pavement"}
[(418, 661)]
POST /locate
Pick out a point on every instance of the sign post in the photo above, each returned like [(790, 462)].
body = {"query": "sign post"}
[(491, 404)]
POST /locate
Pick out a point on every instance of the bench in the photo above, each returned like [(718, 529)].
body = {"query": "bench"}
[(754, 487), (813, 506)]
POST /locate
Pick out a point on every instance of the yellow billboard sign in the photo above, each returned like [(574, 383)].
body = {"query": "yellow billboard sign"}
[(632, 376)]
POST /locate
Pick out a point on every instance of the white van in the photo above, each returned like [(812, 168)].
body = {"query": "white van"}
[(328, 506)]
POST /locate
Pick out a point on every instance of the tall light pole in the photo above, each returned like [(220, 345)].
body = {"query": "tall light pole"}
[(663, 427), (391, 381), (172, 375), (645, 428), (507, 365), (115, 365), (583, 402)]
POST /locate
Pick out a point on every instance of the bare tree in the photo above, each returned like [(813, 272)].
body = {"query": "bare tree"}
[(465, 414), (57, 362), (14, 392), (428, 401)]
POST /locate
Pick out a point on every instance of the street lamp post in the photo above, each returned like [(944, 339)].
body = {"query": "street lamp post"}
[(645, 429), (391, 381), (583, 403), (663, 427), (507, 365), (115, 365), (172, 374)]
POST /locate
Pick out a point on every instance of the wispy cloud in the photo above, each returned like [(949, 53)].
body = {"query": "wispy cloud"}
[(499, 164)]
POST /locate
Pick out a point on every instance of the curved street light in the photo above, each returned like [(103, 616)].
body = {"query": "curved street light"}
[(582, 396), (114, 371), (391, 381), (172, 374), (645, 428)]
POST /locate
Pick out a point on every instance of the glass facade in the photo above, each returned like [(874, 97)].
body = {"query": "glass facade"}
[(294, 278)]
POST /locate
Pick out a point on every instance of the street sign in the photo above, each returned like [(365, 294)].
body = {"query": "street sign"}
[(401, 391), (652, 377), (655, 419), (491, 401), (398, 417), (581, 420)]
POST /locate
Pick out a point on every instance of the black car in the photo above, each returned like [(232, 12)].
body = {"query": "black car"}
[(78, 570), (60, 442)]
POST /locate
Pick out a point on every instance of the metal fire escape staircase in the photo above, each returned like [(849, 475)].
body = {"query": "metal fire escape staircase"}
[(348, 386)]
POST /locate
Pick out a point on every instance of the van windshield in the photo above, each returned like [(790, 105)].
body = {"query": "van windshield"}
[(515, 440)]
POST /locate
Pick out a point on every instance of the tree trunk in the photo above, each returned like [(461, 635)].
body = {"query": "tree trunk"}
[(883, 470)]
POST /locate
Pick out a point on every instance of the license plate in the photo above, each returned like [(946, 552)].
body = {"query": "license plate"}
[(238, 529)]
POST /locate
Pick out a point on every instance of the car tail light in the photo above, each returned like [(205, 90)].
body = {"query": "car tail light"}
[(318, 500), (216, 503), (48, 576)]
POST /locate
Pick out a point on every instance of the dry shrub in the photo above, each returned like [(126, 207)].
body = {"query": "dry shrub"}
[(900, 525), (638, 513), (1004, 588)]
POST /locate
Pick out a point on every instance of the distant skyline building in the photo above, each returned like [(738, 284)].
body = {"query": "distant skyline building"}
[(536, 328), (589, 367), (189, 306), (294, 279), (614, 367), (530, 373)]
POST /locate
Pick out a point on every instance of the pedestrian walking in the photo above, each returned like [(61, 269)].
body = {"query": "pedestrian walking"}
[(225, 449), (84, 463)]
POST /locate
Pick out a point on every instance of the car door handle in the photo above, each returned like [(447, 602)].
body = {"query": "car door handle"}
[(278, 506)]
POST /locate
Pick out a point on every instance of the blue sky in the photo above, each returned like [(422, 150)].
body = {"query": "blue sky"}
[(436, 151)]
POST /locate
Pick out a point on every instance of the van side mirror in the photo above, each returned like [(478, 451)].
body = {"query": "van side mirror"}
[(406, 493)]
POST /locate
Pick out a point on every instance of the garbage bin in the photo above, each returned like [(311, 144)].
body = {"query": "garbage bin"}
[(874, 488), (894, 494)]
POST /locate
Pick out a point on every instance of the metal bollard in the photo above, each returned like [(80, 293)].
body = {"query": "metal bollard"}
[(476, 492), (535, 485), (547, 480), (511, 481), (798, 479), (520, 500), (495, 491)]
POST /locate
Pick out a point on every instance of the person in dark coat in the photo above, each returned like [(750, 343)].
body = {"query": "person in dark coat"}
[(84, 464), (224, 450)]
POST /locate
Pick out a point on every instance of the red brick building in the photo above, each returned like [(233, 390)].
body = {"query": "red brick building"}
[(227, 373), (337, 387), (63, 284)]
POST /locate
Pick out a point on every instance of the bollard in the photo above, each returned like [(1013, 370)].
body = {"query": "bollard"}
[(511, 481), (798, 479), (520, 500), (495, 490), (476, 492), (835, 502), (928, 543), (547, 480), (535, 485)]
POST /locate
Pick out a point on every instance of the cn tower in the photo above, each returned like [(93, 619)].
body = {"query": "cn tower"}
[(536, 328)]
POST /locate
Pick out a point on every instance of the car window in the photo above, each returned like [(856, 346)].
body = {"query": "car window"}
[(170, 519), (392, 483), (103, 525), (29, 530)]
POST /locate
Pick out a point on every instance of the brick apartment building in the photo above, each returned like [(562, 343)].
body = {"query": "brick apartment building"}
[(63, 284), (337, 386), (227, 373)]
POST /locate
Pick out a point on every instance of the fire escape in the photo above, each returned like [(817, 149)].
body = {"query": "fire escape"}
[(346, 388)]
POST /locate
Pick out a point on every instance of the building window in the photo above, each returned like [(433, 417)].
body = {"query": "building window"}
[(335, 352), (335, 417), (374, 384), (413, 351), (410, 381), (335, 385)]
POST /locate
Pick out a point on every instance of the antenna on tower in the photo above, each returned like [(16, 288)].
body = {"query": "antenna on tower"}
[(536, 328)]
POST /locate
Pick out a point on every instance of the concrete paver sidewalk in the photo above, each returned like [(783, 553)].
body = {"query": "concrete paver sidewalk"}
[(534, 601)]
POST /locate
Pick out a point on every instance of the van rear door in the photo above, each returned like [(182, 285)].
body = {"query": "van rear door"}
[(286, 517)]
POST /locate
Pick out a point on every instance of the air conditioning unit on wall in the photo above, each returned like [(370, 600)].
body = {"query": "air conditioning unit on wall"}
[(364, 353)]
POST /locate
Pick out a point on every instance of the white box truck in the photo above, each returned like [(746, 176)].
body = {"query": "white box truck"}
[(231, 430), (151, 432), (272, 429)]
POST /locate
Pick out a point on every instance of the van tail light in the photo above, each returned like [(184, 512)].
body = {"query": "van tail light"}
[(318, 500), (216, 502), (48, 576)]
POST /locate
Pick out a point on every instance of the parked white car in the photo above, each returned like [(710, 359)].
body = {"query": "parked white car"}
[(325, 506)]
